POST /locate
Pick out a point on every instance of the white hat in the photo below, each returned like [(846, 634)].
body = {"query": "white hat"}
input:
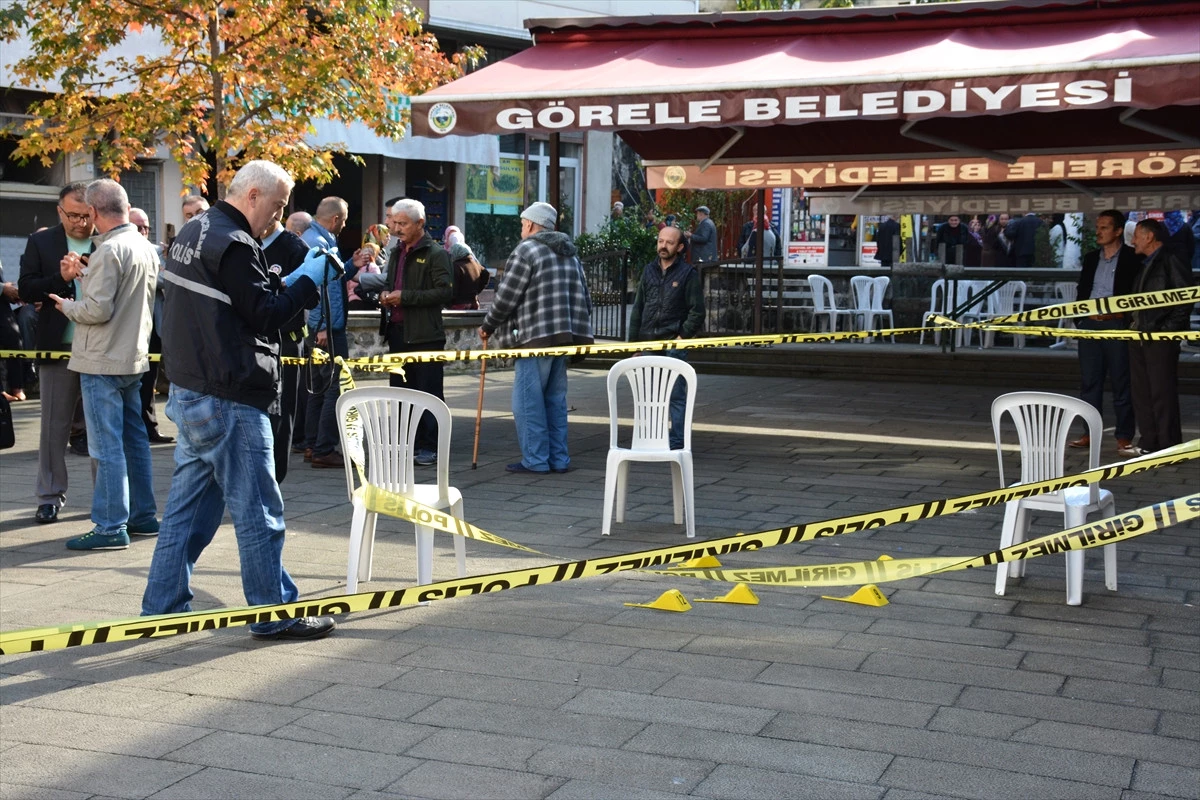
[(541, 214)]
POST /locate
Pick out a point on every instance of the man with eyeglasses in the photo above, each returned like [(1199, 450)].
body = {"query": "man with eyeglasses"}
[(46, 270)]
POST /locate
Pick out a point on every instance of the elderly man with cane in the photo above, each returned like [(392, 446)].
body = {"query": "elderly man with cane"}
[(542, 301)]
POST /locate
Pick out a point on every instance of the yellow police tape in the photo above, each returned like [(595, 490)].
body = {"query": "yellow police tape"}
[(381, 501), (1108, 305), (1095, 534), (941, 323)]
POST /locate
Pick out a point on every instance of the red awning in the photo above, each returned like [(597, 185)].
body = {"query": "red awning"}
[(659, 76)]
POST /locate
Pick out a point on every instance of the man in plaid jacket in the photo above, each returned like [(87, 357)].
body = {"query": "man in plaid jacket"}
[(542, 301)]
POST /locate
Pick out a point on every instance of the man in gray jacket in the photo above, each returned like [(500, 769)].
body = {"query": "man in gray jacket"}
[(113, 316)]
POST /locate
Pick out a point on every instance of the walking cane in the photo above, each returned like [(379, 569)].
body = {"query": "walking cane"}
[(479, 407)]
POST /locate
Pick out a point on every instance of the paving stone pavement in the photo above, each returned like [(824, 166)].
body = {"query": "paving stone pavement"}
[(562, 692)]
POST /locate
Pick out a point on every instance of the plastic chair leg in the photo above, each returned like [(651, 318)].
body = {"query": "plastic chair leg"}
[(1007, 532), (1074, 516), (460, 542), (424, 537), (689, 495), (622, 490), (610, 494), (366, 556), (677, 491), (357, 525), (1110, 567), (1108, 508)]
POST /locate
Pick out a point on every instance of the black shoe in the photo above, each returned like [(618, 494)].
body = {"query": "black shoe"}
[(303, 628), (47, 512), (78, 446), (158, 438)]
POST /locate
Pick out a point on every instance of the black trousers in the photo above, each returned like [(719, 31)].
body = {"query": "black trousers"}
[(422, 377), (149, 380), (284, 424), (1154, 381)]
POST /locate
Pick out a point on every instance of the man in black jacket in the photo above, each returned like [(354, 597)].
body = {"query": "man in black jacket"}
[(418, 284), (222, 315), (669, 304), (44, 272), (1108, 271), (887, 236), (1154, 365)]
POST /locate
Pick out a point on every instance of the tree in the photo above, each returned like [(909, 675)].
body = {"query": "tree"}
[(218, 82)]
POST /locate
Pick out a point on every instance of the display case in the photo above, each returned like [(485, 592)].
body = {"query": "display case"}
[(806, 239), (843, 241), (868, 226)]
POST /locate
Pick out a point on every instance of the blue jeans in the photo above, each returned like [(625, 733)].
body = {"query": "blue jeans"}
[(1101, 357), (539, 405), (124, 491), (678, 402), (224, 457)]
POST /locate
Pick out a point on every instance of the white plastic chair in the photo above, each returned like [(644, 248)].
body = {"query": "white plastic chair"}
[(937, 306), (964, 292), (381, 443), (861, 288), (1008, 299), (651, 379), (1043, 421), (878, 293), (825, 304)]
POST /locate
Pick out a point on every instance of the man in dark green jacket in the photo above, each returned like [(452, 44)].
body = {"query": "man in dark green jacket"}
[(418, 285), (669, 305)]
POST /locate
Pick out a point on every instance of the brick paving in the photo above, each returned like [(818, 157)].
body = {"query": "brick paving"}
[(563, 692)]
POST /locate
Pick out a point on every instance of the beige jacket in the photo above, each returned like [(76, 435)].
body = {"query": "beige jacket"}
[(114, 312)]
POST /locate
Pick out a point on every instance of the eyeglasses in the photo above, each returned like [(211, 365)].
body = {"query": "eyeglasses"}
[(78, 219), (143, 228)]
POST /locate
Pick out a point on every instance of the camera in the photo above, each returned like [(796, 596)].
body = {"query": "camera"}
[(333, 262)]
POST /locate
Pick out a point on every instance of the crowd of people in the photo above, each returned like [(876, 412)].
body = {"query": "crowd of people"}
[(238, 288)]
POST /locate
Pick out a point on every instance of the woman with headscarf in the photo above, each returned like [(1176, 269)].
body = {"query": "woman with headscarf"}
[(451, 237), (973, 244)]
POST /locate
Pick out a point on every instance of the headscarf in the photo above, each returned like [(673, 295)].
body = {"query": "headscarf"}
[(377, 235), (452, 235)]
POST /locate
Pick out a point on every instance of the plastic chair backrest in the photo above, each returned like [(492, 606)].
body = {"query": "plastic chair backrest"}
[(968, 290), (1043, 422), (378, 431), (651, 379), (862, 287), (937, 297), (879, 291), (822, 292), (1008, 299), (1065, 291)]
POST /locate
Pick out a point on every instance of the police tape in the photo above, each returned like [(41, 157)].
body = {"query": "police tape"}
[(1100, 533), (1120, 304), (53, 638), (1108, 305), (941, 323)]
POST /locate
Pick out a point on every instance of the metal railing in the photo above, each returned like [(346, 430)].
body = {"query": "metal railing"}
[(607, 276)]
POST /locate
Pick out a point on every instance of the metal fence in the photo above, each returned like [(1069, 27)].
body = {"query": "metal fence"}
[(608, 280)]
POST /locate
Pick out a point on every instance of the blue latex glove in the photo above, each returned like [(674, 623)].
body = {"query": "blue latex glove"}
[(314, 267)]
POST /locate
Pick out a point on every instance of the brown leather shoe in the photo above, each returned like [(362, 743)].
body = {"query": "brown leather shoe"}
[(330, 460), (1082, 441), (308, 454)]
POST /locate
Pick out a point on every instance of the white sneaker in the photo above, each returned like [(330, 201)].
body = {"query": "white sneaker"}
[(1132, 451)]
